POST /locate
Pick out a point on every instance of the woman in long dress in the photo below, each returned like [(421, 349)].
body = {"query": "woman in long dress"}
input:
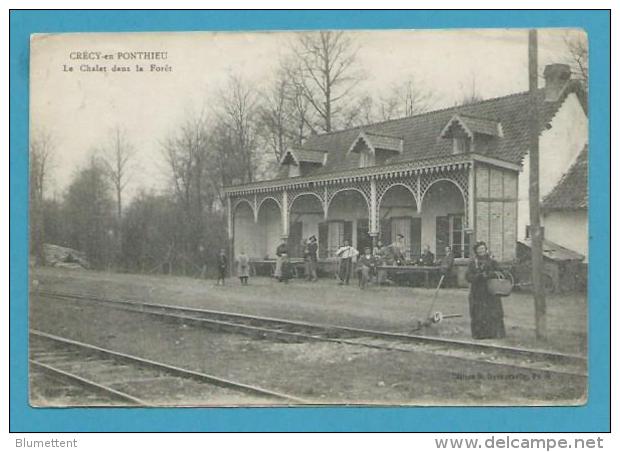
[(485, 310)]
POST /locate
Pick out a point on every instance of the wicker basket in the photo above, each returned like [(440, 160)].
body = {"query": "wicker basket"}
[(500, 285)]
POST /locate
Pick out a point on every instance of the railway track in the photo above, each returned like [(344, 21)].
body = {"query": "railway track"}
[(123, 379), (516, 359)]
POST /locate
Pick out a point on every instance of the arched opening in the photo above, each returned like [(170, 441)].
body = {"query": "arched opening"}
[(347, 219), (398, 214), (244, 229), (443, 219), (269, 229), (304, 218)]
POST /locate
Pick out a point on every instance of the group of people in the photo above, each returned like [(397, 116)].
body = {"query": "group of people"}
[(485, 309), (284, 271)]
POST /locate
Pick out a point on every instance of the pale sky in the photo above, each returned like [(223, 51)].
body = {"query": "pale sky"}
[(80, 108)]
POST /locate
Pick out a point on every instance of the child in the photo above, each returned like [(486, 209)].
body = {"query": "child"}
[(222, 266), (243, 268)]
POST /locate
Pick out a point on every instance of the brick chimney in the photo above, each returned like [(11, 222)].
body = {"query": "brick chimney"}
[(556, 77)]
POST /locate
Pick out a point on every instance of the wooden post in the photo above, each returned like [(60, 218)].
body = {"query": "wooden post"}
[(231, 235), (535, 231)]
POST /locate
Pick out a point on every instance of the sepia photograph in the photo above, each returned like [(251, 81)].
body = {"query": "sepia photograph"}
[(309, 218)]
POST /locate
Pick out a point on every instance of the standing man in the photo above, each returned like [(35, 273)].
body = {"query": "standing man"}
[(313, 249), (346, 254), (380, 254), (222, 266), (365, 267), (446, 263)]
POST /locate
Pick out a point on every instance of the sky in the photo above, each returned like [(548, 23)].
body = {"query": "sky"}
[(81, 108)]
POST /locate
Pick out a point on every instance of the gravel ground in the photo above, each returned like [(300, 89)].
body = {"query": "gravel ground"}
[(324, 373), (386, 308)]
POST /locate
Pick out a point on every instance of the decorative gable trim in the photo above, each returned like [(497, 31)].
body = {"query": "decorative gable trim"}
[(375, 142), (472, 125)]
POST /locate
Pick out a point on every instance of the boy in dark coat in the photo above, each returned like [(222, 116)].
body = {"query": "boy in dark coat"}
[(222, 267)]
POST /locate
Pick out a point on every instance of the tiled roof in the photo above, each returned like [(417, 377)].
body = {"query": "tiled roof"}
[(310, 156), (420, 134), (553, 251), (571, 192)]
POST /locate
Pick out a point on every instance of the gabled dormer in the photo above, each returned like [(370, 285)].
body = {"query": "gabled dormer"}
[(301, 161), (375, 149), (470, 134)]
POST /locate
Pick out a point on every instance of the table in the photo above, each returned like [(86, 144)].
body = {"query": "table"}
[(412, 270), (271, 263)]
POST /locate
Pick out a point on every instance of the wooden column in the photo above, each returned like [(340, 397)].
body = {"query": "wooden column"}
[(284, 212), (231, 235), (373, 229), (419, 193)]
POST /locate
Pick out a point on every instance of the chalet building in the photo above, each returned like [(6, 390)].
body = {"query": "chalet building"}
[(565, 209), (447, 177)]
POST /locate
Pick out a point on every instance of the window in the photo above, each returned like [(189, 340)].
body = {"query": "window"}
[(461, 145), (366, 158), (294, 170), (459, 238), (402, 226), (335, 236)]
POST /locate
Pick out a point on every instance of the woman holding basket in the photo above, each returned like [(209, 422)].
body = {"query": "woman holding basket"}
[(485, 308)]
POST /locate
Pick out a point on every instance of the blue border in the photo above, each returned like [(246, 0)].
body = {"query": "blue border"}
[(593, 417)]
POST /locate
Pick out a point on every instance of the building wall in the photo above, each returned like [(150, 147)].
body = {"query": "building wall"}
[(348, 206), (568, 229), (442, 198), (268, 233), (244, 229), (559, 147), (308, 210), (495, 207)]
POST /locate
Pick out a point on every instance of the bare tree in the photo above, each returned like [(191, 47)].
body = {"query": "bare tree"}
[(42, 147), (325, 73), (273, 116), (577, 55), (116, 157), (407, 98), (41, 153), (236, 112), (470, 95)]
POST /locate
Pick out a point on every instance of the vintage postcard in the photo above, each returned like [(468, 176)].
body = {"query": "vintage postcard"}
[(387, 217)]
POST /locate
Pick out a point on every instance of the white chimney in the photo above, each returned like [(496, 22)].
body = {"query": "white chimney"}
[(556, 77)]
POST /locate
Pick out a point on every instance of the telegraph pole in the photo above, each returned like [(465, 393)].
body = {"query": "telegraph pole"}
[(535, 231)]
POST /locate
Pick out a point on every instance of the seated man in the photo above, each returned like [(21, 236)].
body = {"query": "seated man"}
[(398, 250), (365, 266), (427, 258)]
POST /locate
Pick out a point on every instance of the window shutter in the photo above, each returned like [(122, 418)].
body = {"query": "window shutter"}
[(348, 232), (416, 237), (442, 235), (386, 231), (323, 240), (294, 239)]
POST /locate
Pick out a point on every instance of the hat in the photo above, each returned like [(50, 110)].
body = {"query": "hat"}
[(312, 238)]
